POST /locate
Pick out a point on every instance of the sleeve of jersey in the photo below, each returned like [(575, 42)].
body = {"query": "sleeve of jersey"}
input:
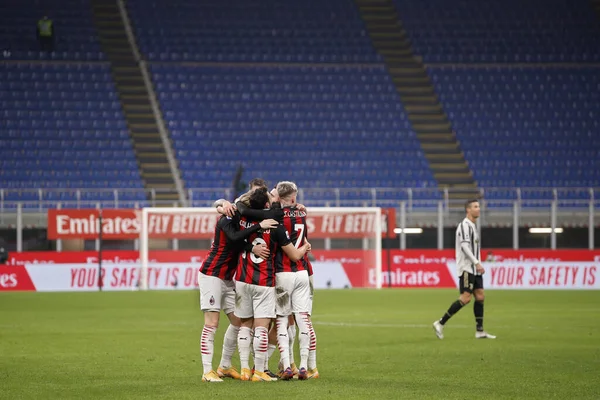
[(260, 215), (467, 250), (463, 233), (227, 225), (281, 236)]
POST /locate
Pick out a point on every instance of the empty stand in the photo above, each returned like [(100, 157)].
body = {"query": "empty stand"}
[(532, 127), (76, 37), (423, 109), (251, 31), (63, 128), (322, 126), (134, 97), (499, 31)]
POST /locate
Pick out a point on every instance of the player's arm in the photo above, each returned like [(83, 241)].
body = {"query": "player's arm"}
[(229, 227), (296, 254), (224, 207), (259, 250), (274, 213), (464, 235), (281, 237), (466, 248)]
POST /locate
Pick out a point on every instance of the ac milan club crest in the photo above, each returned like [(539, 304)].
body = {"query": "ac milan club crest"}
[(212, 300)]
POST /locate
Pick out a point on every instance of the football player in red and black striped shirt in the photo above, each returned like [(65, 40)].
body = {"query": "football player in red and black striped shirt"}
[(255, 287), (294, 288), (217, 290), (226, 208)]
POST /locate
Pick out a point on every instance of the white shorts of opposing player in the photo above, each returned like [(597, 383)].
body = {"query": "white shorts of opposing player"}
[(295, 296), (216, 294)]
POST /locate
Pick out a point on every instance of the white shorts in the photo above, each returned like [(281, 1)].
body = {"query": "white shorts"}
[(253, 301), (216, 294), (294, 293)]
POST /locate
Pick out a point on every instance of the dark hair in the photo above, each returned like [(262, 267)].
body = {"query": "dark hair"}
[(469, 202), (259, 198), (257, 182)]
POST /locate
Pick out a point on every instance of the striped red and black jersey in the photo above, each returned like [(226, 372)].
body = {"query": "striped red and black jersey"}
[(294, 222), (225, 248), (255, 270)]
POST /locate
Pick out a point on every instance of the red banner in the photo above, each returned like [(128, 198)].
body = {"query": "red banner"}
[(505, 269), (125, 224), (15, 278)]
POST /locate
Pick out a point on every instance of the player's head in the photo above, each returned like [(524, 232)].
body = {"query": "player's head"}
[(257, 183), (259, 198), (274, 195), (472, 208), (287, 192)]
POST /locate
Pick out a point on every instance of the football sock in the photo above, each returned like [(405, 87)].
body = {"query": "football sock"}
[(229, 343), (261, 345), (454, 308), (292, 338), (272, 348), (312, 349), (302, 319), (207, 341), (244, 343), (478, 311), (283, 341)]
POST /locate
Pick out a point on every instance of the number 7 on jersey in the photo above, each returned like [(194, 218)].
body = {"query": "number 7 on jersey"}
[(300, 229)]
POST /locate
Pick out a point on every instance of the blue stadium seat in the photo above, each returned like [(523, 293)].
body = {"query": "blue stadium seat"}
[(76, 36), (533, 127), (280, 31), (473, 31), (63, 128), (338, 126)]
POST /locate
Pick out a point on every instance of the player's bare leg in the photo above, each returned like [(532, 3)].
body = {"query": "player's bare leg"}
[(261, 345), (478, 311), (207, 341), (244, 341), (229, 344)]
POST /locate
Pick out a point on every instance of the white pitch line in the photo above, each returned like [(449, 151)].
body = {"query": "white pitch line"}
[(374, 325)]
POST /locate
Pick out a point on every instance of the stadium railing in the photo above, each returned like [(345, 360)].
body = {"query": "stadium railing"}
[(415, 207)]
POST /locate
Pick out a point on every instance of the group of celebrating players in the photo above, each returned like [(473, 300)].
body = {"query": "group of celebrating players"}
[(259, 274)]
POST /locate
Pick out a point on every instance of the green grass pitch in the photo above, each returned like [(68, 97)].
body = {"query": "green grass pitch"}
[(371, 345)]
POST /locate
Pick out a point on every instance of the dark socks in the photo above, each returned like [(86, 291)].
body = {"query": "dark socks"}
[(478, 311), (454, 308)]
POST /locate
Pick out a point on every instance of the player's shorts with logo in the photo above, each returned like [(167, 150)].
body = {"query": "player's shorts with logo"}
[(294, 293), (469, 282), (216, 294), (254, 301)]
